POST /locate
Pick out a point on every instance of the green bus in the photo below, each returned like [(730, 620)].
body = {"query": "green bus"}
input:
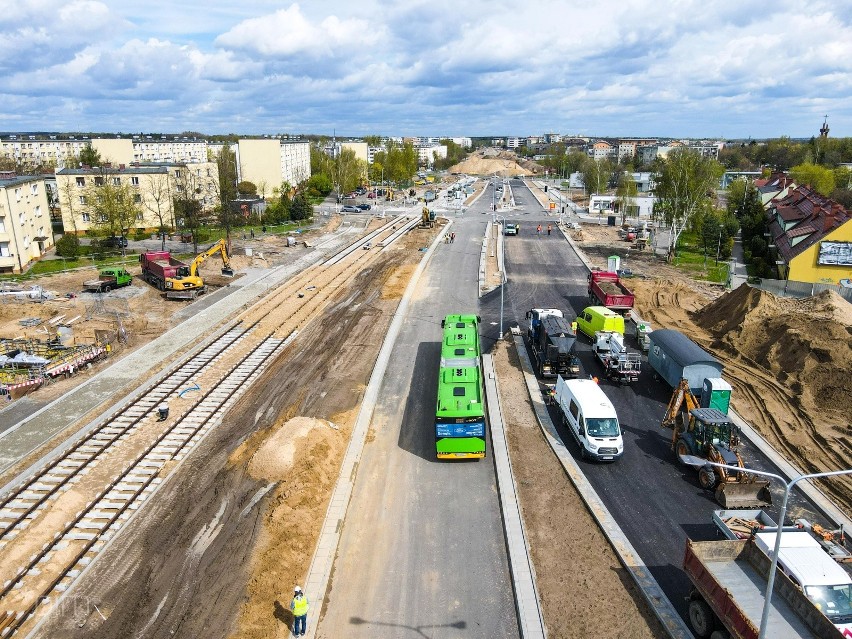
[(460, 413)]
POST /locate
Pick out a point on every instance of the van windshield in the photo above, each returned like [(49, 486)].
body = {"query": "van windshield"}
[(835, 602), (602, 426)]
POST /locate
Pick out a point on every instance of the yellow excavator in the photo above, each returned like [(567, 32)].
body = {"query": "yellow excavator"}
[(187, 284), (709, 434)]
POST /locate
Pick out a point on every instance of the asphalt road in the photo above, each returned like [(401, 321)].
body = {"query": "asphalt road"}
[(422, 553), (657, 503)]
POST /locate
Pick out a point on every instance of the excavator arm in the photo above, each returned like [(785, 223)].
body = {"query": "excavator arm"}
[(682, 396), (218, 247)]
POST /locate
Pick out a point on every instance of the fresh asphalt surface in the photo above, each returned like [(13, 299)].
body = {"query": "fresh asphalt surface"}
[(422, 552), (657, 503)]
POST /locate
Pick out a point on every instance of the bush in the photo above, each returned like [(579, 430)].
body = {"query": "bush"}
[(68, 246)]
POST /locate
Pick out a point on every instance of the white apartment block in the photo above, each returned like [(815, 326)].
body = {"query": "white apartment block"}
[(465, 143), (295, 161), (25, 231), (155, 186), (30, 150), (428, 154), (514, 142)]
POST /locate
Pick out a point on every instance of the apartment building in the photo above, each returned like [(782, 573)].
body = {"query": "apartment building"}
[(25, 232), (154, 187), (31, 150)]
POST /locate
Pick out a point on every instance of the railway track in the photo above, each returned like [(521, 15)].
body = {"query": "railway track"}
[(128, 466)]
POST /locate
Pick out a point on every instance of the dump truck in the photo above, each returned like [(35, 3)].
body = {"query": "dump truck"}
[(186, 283), (427, 218), (553, 346), (108, 279), (707, 433), (158, 266), (729, 580), (607, 289), (618, 363)]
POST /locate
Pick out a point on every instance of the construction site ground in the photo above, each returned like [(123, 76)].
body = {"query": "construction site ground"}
[(216, 553)]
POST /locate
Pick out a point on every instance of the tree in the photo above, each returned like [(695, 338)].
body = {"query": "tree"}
[(114, 208), (300, 208), (596, 175), (226, 163), (188, 217), (159, 192), (684, 182), (68, 246), (626, 193), (819, 178), (89, 156), (247, 189)]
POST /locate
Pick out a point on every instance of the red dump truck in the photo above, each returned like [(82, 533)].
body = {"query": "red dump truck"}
[(157, 266), (608, 290), (728, 587)]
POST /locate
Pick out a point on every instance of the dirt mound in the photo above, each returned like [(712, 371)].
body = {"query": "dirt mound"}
[(804, 343), (502, 164)]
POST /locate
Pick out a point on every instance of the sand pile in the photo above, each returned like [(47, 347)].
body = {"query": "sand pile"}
[(805, 343), (504, 165)]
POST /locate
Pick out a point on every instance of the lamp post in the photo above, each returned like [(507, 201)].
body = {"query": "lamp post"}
[(691, 460), (502, 272)]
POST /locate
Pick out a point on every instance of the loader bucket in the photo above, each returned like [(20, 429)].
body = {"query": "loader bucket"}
[(753, 494), (229, 272)]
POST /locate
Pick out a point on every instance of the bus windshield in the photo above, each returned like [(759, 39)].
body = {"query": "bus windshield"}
[(602, 426)]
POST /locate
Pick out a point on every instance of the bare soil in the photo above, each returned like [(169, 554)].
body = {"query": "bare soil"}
[(788, 360), (218, 552), (503, 163), (575, 558)]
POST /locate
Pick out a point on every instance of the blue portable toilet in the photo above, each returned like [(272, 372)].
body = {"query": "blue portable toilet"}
[(674, 356)]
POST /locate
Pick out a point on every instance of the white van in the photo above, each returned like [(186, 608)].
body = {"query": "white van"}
[(821, 578), (590, 417)]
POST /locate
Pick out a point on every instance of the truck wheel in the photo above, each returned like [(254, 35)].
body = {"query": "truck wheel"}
[(706, 478), (107, 288), (701, 618)]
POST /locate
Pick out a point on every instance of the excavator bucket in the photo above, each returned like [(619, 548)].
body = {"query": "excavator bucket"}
[(228, 272), (753, 494)]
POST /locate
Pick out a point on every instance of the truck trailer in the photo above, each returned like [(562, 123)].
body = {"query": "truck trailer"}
[(607, 289), (552, 340), (158, 266), (729, 580)]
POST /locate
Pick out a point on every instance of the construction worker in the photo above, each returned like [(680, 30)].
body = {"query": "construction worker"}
[(574, 327), (538, 230), (549, 229), (299, 608)]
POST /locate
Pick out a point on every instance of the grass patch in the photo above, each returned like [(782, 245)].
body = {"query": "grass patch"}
[(692, 261)]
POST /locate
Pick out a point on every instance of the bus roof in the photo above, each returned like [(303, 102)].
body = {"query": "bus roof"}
[(459, 392)]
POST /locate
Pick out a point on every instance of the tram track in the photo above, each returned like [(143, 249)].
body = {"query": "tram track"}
[(259, 337)]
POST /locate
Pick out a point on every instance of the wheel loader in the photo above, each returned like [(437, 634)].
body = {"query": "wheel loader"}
[(709, 434)]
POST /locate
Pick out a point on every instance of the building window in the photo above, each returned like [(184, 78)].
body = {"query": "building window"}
[(21, 218), (38, 210), (17, 195), (99, 181), (34, 189), (137, 198), (4, 249), (83, 200), (102, 218), (134, 180), (139, 217), (86, 217), (116, 181), (26, 241), (81, 181), (2, 224)]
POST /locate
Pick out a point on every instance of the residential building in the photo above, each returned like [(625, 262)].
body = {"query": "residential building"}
[(260, 163), (602, 150), (775, 187), (728, 177), (552, 138), (154, 186), (428, 154), (32, 150), (465, 143), (295, 161), (813, 237), (25, 231), (498, 141), (514, 142)]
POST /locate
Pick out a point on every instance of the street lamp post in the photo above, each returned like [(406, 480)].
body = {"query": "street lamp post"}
[(788, 486)]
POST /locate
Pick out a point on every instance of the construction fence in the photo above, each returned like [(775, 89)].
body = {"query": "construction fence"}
[(788, 288)]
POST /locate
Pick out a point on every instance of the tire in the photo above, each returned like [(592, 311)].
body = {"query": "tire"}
[(719, 634), (107, 288), (701, 618), (681, 448), (706, 478)]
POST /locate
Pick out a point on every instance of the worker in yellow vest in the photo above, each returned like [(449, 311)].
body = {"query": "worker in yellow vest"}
[(299, 607)]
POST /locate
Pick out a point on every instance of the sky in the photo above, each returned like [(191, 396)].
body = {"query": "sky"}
[(651, 68)]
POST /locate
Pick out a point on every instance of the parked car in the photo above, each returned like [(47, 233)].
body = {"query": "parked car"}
[(114, 242), (350, 208), (371, 195), (364, 207)]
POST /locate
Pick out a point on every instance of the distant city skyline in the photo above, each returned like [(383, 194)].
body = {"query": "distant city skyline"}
[(675, 69)]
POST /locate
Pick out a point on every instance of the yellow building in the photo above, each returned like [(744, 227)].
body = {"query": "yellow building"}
[(154, 186), (25, 232), (813, 236)]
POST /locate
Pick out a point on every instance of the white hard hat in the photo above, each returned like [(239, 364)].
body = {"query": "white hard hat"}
[(298, 589)]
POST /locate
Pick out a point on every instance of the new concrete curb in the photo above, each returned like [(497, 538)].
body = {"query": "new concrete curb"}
[(319, 573), (527, 602), (650, 589)]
